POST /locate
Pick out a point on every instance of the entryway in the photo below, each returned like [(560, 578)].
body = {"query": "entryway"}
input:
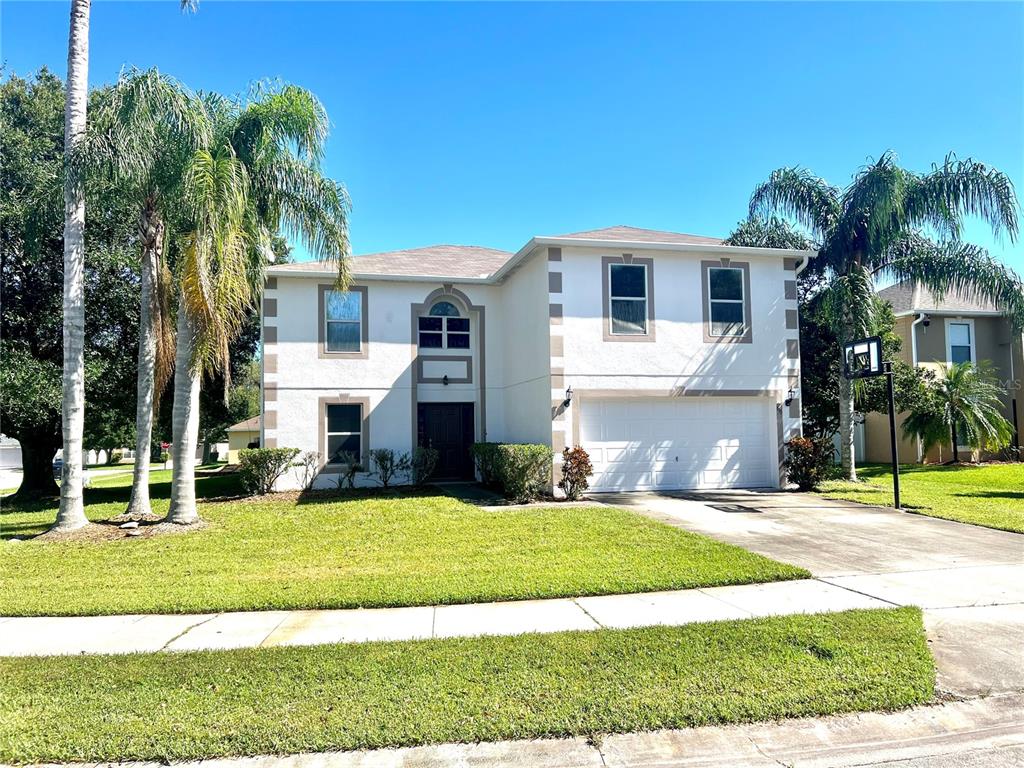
[(448, 428)]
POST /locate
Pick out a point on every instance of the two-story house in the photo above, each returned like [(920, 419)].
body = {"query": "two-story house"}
[(954, 329), (672, 359)]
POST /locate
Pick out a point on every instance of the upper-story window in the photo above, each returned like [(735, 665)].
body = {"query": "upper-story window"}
[(627, 296), (443, 327), (960, 341), (342, 317), (726, 301)]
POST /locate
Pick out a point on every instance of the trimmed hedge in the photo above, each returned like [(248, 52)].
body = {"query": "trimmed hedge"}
[(520, 471)]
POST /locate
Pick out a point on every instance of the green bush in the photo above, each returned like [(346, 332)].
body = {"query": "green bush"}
[(807, 462), (520, 471), (421, 466), (260, 468)]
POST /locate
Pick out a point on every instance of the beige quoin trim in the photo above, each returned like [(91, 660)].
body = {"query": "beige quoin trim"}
[(747, 336), (269, 419), (794, 408), (554, 254), (271, 283), (790, 264), (606, 298), (364, 438), (790, 290), (792, 319), (555, 310), (270, 363), (557, 346), (321, 324), (269, 307), (554, 282), (270, 393), (271, 442), (270, 334), (793, 349)]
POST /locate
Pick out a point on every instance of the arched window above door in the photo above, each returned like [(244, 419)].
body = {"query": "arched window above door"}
[(443, 327)]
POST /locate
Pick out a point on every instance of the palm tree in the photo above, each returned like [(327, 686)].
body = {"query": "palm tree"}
[(71, 513), (146, 139), (964, 406), (260, 176), (880, 225)]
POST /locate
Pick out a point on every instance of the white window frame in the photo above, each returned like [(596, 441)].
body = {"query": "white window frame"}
[(742, 301), (328, 434), (613, 297), (969, 322)]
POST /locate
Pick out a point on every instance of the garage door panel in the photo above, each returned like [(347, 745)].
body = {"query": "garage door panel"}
[(652, 443)]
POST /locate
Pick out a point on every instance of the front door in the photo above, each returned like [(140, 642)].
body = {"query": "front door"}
[(448, 428)]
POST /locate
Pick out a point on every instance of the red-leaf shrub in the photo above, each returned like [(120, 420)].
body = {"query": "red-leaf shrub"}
[(576, 468), (807, 462)]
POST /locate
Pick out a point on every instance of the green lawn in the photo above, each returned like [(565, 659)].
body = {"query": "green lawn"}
[(990, 495), (351, 551), (174, 706)]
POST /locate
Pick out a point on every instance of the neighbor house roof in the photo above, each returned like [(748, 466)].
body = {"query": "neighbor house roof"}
[(431, 261), (621, 232), (908, 296), (249, 425)]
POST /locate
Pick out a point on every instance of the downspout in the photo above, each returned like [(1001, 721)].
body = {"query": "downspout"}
[(913, 357)]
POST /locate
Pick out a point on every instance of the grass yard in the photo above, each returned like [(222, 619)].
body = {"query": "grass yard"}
[(991, 495), (175, 706), (367, 550)]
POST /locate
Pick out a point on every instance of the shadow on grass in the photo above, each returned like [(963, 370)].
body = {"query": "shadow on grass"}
[(1015, 495)]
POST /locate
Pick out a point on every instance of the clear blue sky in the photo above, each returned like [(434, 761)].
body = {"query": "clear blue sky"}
[(489, 123)]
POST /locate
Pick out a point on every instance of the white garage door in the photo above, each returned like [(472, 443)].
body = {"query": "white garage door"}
[(677, 443)]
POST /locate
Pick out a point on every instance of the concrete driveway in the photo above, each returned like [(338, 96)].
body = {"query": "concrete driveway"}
[(969, 580)]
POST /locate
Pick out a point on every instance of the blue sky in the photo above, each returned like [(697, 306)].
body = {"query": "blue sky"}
[(489, 123)]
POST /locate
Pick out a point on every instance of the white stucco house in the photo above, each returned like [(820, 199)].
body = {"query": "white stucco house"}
[(672, 359)]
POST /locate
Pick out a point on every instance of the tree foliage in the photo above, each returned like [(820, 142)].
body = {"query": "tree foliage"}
[(31, 282)]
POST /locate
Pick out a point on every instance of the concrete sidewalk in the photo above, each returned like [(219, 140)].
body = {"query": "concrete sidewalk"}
[(36, 636), (978, 733)]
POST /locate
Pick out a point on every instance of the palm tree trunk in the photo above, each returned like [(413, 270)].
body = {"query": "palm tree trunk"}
[(151, 229), (956, 451), (184, 426), (71, 514), (846, 429)]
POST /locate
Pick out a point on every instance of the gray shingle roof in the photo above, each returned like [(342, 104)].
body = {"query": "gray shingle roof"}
[(901, 296), (634, 234), (431, 261)]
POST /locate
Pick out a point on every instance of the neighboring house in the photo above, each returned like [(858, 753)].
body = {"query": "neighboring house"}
[(957, 329), (242, 435), (672, 359)]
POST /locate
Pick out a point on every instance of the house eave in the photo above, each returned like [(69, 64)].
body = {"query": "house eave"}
[(950, 312)]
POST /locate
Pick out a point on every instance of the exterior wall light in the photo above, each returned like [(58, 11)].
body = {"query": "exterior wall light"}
[(444, 379), (790, 396), (568, 397)]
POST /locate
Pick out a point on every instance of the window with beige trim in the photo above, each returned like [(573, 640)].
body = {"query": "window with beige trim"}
[(342, 318), (726, 301), (627, 298), (344, 432), (443, 327)]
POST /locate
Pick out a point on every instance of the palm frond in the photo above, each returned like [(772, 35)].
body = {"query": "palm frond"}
[(798, 194), (960, 188), (955, 266)]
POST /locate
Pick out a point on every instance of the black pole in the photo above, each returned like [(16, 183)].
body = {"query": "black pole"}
[(892, 438)]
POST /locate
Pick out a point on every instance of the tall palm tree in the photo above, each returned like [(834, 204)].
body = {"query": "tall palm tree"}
[(71, 513), (145, 140), (261, 176), (963, 406), (882, 225)]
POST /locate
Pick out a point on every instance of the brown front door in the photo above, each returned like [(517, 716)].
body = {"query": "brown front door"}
[(448, 428)]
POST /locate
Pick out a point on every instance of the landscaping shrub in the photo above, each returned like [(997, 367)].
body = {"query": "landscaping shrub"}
[(309, 464), (521, 471), (807, 461), (576, 468), (422, 464), (114, 457), (260, 468), (387, 464), (350, 468)]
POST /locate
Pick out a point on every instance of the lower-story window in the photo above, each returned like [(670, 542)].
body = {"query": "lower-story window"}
[(344, 433)]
